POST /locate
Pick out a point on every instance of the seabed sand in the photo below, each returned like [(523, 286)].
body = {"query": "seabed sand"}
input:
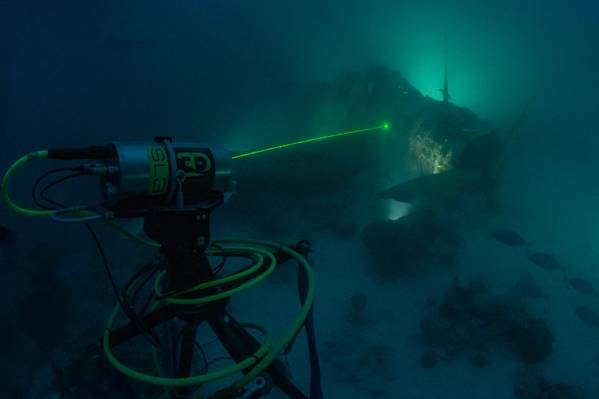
[(396, 309)]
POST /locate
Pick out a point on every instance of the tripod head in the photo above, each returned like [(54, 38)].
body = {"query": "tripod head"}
[(183, 236)]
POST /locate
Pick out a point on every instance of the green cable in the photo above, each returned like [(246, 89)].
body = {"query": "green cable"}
[(19, 163), (8, 176), (296, 326), (184, 381), (225, 294), (258, 259), (263, 357)]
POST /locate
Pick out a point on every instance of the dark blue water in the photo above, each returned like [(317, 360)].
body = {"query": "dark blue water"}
[(244, 75)]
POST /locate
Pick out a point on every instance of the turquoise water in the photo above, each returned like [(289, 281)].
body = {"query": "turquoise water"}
[(248, 75)]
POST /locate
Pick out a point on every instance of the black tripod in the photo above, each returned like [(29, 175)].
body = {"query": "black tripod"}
[(184, 236)]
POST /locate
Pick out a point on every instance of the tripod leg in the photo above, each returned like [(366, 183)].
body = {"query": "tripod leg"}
[(240, 344), (188, 343)]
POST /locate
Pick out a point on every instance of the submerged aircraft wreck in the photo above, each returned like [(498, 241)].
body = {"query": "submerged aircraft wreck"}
[(438, 160), (457, 161)]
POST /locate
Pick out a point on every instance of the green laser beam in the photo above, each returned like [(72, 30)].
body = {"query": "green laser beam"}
[(384, 126)]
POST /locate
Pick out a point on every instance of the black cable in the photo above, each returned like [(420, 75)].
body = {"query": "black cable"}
[(151, 295), (238, 282), (138, 274), (127, 311), (42, 177), (147, 302), (138, 290), (56, 182), (136, 317), (204, 357), (217, 269), (223, 260), (141, 286)]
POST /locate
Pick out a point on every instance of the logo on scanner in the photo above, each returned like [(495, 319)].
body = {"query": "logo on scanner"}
[(195, 164)]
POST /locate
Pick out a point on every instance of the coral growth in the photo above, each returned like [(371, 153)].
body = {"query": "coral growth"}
[(410, 245), (471, 320), (536, 386), (357, 307)]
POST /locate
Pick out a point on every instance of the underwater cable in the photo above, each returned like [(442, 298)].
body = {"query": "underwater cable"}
[(122, 301), (259, 256), (263, 255), (297, 324), (264, 356), (39, 180), (82, 213), (384, 127), (78, 210), (8, 176)]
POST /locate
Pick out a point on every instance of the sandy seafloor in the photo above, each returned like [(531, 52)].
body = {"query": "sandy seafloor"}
[(397, 307)]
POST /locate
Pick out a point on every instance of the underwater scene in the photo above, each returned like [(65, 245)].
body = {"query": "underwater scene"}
[(208, 199)]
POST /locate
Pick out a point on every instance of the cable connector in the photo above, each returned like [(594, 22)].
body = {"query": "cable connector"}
[(99, 169), (71, 154)]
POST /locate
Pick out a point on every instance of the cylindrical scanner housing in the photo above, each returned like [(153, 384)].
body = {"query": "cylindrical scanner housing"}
[(166, 173)]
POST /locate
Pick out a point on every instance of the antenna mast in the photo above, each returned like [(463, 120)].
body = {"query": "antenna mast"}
[(445, 89)]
